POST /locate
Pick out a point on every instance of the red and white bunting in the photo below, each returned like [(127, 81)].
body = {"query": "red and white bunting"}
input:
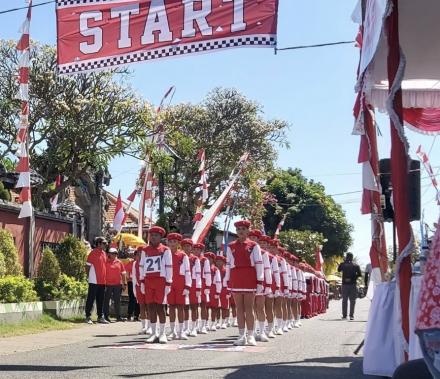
[(202, 189), (23, 168), (425, 160), (280, 226)]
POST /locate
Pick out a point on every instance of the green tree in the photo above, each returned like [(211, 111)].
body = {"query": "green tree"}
[(308, 208), (77, 123), (10, 253), (48, 278), (4, 193), (226, 124), (302, 243), (72, 255)]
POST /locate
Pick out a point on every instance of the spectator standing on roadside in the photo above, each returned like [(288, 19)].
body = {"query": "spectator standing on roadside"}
[(133, 306), (116, 282), (350, 273), (96, 273)]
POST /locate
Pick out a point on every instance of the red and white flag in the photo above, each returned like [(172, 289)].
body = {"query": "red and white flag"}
[(100, 34), (202, 189), (23, 167), (54, 199), (119, 219), (319, 260), (425, 160), (280, 226)]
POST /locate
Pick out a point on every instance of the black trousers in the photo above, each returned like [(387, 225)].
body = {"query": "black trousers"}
[(112, 292), (133, 306), (95, 292), (349, 292)]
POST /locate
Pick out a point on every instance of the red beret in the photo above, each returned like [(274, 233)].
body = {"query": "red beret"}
[(220, 258), (294, 257), (272, 242), (186, 241), (158, 230), (199, 246), (209, 255), (174, 236), (244, 223), (256, 233), (264, 238)]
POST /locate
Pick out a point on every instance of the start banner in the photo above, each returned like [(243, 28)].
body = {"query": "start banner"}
[(100, 34)]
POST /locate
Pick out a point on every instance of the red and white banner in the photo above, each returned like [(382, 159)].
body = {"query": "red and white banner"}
[(99, 34), (425, 160)]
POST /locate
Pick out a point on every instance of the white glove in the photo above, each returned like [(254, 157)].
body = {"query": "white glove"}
[(277, 293), (198, 294), (167, 290), (207, 292), (216, 297), (228, 295), (260, 289), (268, 291), (185, 292), (143, 288), (286, 292)]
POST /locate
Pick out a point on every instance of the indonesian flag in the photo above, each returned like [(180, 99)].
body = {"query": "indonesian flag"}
[(54, 200), (319, 260), (280, 226), (119, 219)]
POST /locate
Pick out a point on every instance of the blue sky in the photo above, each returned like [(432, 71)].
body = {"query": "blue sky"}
[(311, 89)]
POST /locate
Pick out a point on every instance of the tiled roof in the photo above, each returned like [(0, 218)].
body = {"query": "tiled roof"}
[(132, 217)]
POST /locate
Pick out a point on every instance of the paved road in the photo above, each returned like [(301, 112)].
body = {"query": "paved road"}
[(322, 348)]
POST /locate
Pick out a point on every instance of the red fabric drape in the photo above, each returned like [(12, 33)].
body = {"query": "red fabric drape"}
[(423, 120), (378, 251), (399, 169)]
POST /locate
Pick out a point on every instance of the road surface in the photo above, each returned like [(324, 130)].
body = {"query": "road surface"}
[(323, 348)]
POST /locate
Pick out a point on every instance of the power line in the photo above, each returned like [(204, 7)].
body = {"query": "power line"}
[(26, 7), (313, 46)]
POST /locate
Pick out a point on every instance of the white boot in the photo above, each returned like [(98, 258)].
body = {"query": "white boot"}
[(235, 322), (241, 341), (263, 337), (162, 336), (193, 332), (251, 340), (224, 325), (153, 337), (203, 330)]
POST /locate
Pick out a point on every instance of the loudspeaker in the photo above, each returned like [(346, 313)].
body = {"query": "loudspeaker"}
[(413, 189)]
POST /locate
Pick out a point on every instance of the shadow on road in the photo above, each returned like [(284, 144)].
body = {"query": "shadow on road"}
[(45, 368), (307, 369)]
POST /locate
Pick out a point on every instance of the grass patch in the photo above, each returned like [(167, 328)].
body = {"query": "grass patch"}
[(43, 324)]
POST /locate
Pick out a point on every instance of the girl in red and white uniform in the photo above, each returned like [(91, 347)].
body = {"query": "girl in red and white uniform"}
[(295, 291), (275, 286), (255, 235), (302, 289), (179, 295), (284, 289), (245, 277), (139, 292), (216, 289), (225, 295), (198, 249), (156, 267), (287, 313), (195, 290)]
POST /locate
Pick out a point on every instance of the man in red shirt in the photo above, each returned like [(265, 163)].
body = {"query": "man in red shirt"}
[(115, 275), (157, 274), (96, 273)]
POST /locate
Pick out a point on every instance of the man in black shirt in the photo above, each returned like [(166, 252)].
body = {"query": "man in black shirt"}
[(350, 273)]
